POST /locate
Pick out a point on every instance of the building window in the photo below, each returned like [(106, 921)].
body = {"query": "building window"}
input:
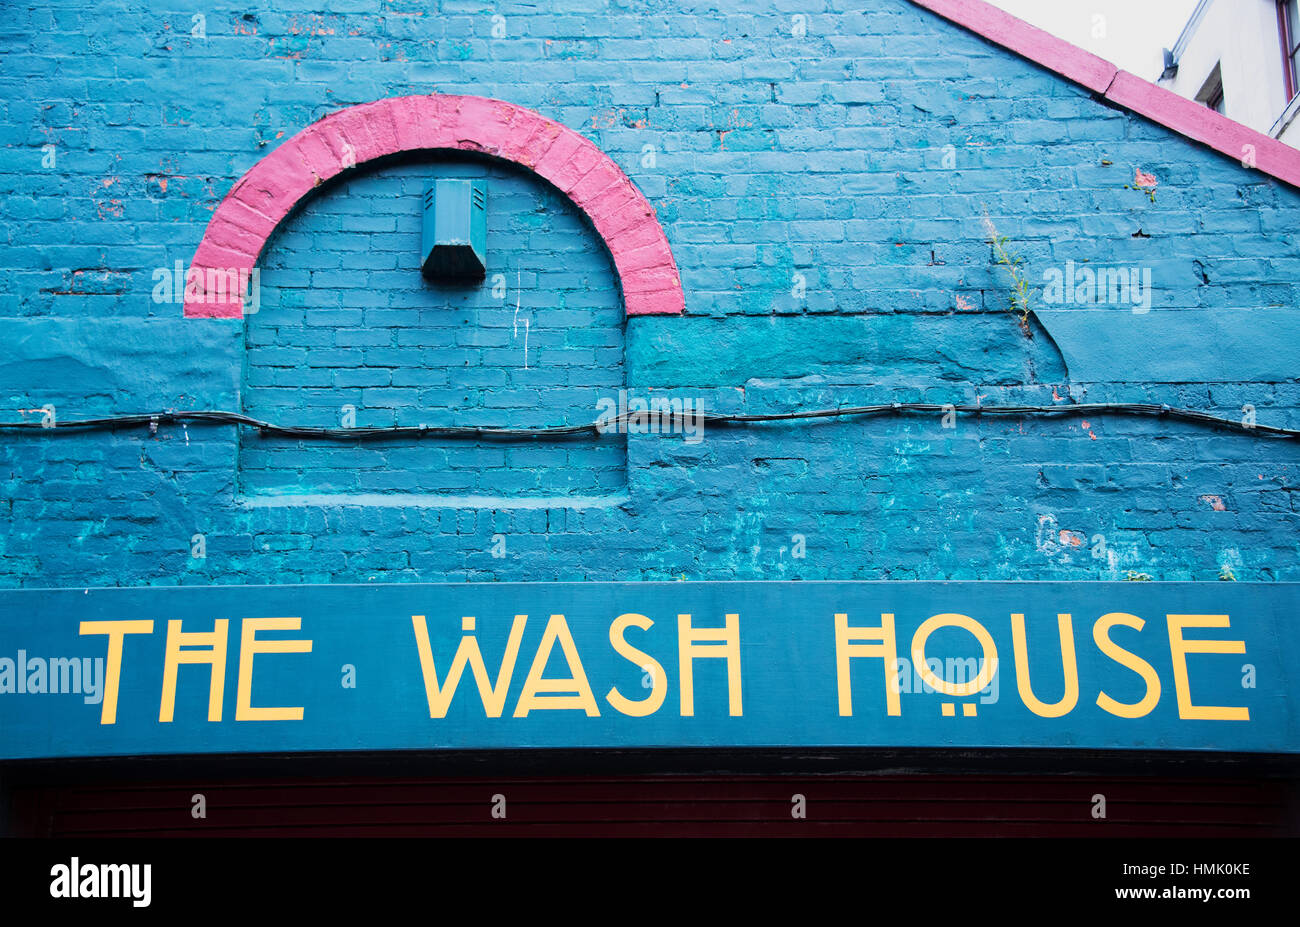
[(1215, 100), (1211, 93), (1288, 24)]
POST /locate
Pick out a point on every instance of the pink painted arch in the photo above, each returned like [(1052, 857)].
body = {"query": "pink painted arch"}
[(622, 216)]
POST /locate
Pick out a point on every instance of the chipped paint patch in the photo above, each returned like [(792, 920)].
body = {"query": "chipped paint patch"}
[(1144, 181), (1215, 502)]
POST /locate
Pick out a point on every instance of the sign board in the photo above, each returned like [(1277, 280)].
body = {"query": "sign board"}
[(256, 669)]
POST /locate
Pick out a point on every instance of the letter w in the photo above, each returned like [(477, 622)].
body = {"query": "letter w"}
[(494, 697)]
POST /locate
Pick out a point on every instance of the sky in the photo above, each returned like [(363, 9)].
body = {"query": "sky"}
[(1129, 33)]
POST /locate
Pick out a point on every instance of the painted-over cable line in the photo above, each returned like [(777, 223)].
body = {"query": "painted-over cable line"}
[(633, 419)]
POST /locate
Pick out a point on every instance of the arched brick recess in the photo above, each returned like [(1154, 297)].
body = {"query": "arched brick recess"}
[(266, 194)]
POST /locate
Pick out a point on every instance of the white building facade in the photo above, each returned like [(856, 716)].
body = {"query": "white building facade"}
[(1242, 58)]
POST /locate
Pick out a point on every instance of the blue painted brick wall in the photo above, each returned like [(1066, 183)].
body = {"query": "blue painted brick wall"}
[(824, 196)]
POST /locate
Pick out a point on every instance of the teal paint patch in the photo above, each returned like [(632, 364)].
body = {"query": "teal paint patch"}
[(898, 349), (1176, 345), (87, 367)]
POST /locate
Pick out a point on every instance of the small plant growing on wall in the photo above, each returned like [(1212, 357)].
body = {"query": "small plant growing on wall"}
[(1013, 262)]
